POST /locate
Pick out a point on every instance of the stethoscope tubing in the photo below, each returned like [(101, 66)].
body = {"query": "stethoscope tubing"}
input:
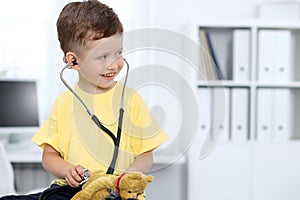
[(116, 140)]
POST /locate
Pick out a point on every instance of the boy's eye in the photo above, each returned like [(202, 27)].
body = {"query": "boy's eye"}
[(103, 57), (120, 53)]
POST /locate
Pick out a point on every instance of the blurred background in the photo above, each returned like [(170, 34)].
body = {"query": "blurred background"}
[(254, 153)]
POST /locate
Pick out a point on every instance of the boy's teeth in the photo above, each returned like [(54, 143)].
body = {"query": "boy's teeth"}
[(108, 75)]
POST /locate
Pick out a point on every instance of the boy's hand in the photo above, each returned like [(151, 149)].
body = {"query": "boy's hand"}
[(75, 175)]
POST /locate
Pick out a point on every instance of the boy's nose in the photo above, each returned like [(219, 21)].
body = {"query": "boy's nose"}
[(113, 66)]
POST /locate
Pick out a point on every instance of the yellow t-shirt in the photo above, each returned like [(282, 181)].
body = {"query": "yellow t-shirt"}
[(70, 130)]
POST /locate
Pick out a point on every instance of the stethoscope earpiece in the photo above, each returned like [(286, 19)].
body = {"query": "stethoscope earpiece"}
[(74, 62)]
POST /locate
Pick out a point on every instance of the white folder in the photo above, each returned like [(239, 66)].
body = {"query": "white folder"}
[(204, 96), (282, 55), (221, 103), (239, 114), (264, 115), (241, 54), (265, 55), (282, 123), (274, 55)]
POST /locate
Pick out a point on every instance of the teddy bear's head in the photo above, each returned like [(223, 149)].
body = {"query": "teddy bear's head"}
[(133, 184)]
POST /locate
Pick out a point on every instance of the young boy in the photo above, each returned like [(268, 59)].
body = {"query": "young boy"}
[(90, 35)]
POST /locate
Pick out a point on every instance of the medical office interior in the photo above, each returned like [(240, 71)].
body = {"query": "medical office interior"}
[(243, 77)]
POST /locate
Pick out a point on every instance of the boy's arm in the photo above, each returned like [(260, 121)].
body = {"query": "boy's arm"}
[(57, 166), (142, 162)]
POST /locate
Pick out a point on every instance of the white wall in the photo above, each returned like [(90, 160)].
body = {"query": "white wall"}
[(178, 15)]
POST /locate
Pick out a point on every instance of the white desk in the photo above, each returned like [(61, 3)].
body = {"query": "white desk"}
[(24, 153)]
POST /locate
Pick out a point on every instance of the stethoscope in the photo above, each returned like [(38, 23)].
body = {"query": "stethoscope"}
[(116, 140)]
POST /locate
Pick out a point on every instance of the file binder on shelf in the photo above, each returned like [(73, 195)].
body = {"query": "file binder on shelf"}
[(204, 96), (206, 60), (212, 53), (283, 56), (239, 114), (264, 115), (274, 55), (241, 55), (221, 103), (265, 55), (283, 120)]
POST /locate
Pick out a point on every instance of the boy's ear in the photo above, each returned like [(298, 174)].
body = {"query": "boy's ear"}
[(71, 60)]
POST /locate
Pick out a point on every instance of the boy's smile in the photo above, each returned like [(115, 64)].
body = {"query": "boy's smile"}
[(108, 76)]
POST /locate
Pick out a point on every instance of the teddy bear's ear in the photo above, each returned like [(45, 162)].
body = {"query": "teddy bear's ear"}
[(150, 178)]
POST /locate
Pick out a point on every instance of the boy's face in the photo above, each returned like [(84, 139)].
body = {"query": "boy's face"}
[(100, 64)]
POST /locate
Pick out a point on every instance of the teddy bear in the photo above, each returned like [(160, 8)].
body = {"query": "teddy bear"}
[(128, 186), (131, 185)]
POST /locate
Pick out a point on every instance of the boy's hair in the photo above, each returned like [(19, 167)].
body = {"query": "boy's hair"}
[(80, 22)]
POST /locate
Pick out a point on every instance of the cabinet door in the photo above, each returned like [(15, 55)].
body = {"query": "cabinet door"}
[(276, 171), (169, 182), (222, 175)]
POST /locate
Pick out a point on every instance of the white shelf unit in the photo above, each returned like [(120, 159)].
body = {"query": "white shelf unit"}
[(250, 169), (253, 84)]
